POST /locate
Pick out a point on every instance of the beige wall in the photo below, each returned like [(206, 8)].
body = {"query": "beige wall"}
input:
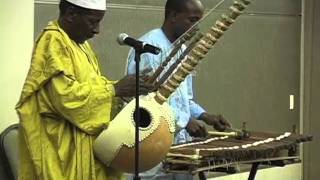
[(15, 46), (310, 86)]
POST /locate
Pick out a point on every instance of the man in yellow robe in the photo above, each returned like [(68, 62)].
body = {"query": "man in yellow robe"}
[(65, 102)]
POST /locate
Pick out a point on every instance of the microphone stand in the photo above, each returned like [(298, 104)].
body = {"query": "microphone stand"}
[(137, 57), (139, 49)]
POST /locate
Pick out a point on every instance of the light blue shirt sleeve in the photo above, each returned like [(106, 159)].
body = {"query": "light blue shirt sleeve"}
[(145, 62), (195, 109)]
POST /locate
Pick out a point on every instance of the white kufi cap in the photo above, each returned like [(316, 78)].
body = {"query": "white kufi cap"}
[(90, 4)]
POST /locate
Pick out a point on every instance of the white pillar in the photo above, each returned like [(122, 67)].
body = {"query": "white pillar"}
[(16, 42)]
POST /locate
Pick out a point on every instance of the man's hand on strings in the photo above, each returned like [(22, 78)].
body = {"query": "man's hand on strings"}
[(217, 121), (126, 87), (196, 128), (145, 74)]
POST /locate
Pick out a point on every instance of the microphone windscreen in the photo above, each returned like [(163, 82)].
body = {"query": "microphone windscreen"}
[(121, 38)]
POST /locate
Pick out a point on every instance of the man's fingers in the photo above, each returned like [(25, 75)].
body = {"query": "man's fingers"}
[(202, 129), (143, 90), (223, 121), (145, 71), (146, 88), (220, 126)]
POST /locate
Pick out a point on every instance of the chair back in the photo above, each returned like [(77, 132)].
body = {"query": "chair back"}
[(9, 151)]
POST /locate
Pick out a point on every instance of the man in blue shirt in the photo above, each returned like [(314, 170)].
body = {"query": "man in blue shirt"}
[(190, 117)]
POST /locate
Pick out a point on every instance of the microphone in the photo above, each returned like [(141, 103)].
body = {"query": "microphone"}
[(124, 39)]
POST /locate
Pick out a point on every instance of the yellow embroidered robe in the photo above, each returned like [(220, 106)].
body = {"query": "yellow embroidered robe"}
[(65, 103)]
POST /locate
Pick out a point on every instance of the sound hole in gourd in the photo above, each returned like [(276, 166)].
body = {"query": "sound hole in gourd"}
[(145, 118)]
